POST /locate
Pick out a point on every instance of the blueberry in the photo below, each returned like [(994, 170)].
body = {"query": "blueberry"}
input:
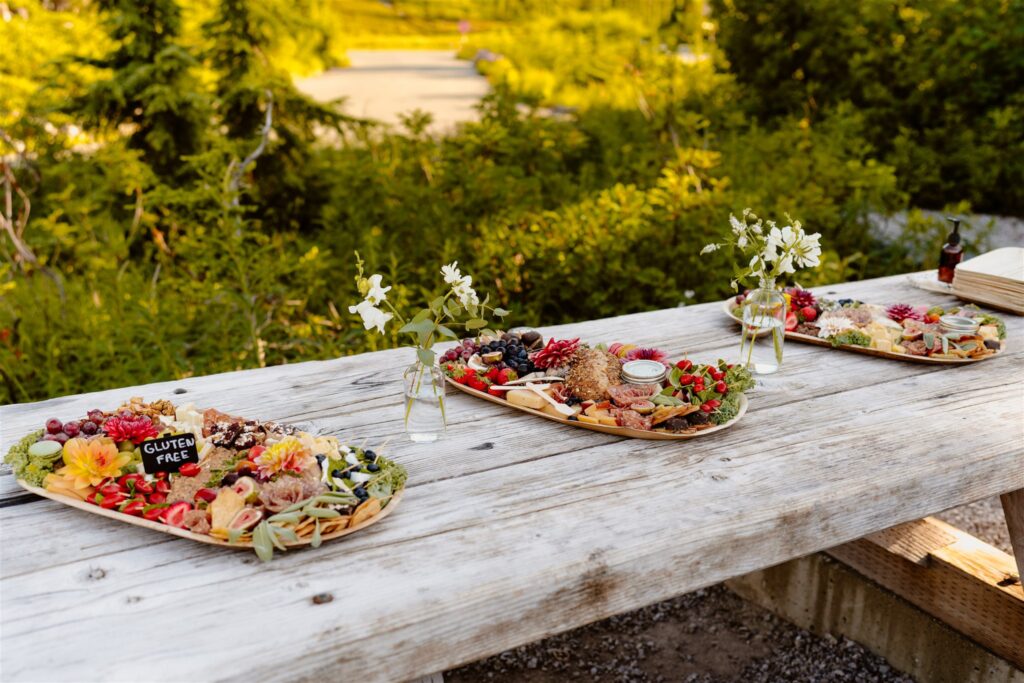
[(523, 369), (361, 493), (502, 343), (373, 467)]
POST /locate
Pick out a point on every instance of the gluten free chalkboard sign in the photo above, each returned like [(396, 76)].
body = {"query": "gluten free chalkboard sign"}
[(168, 453)]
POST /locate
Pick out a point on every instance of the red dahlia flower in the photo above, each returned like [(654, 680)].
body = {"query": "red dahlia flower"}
[(134, 429)]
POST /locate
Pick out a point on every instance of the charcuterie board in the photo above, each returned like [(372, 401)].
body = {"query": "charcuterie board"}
[(935, 335), (619, 389), (208, 476)]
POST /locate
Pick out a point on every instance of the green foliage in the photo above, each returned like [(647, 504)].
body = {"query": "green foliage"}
[(937, 82), (177, 236)]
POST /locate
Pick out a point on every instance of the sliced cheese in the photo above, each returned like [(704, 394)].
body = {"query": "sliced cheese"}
[(525, 398), (989, 332)]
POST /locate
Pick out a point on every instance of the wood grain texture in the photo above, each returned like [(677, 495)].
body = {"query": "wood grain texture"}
[(963, 581), (727, 305), (604, 429), (1013, 511), (387, 509), (512, 528)]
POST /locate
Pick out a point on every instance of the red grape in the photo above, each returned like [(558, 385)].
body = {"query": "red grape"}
[(53, 425), (72, 428), (89, 428)]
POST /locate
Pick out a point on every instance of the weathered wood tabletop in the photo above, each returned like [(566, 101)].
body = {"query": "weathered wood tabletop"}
[(513, 528)]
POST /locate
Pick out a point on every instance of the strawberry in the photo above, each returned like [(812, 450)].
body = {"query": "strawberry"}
[(127, 481), (154, 512), (175, 514), (142, 486), (111, 502), (157, 498), (162, 485), (809, 313), (494, 391), (191, 469), (492, 373), (507, 375), (706, 407), (791, 322), (477, 384), (207, 494), (134, 507)]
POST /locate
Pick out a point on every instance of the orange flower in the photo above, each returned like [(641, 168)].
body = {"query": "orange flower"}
[(87, 462), (287, 455)]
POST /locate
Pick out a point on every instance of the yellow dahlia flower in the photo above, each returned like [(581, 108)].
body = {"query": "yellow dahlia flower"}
[(87, 462), (288, 454)]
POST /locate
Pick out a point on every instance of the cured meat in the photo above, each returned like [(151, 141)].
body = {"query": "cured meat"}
[(632, 419), (626, 395)]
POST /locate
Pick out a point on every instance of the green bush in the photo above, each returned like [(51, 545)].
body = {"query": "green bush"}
[(937, 83)]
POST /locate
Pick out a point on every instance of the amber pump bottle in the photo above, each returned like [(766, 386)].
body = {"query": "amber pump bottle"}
[(952, 253)]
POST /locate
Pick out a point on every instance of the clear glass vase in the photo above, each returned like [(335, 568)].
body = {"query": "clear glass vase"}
[(764, 330), (424, 403)]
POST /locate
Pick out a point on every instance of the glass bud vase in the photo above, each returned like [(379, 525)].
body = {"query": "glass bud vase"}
[(424, 402), (764, 330)]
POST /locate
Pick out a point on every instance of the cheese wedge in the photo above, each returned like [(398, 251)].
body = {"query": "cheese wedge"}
[(989, 332), (525, 398), (551, 410), (881, 344)]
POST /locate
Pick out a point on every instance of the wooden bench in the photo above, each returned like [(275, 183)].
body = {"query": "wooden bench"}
[(513, 528)]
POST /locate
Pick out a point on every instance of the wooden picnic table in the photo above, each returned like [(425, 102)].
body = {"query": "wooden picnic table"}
[(513, 528)]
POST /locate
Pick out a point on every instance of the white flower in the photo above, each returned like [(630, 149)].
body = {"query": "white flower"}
[(756, 227), (376, 293), (753, 262), (464, 291), (737, 227), (451, 273), (709, 248), (371, 315), (786, 264), (831, 324), (808, 251), (741, 242)]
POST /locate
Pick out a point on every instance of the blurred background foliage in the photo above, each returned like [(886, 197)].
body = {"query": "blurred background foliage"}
[(154, 227)]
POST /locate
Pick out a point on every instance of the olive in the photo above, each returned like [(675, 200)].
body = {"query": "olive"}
[(373, 467)]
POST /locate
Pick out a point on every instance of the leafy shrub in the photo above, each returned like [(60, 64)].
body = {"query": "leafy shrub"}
[(937, 82)]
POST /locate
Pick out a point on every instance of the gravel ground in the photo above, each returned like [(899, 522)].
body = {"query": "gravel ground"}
[(708, 636)]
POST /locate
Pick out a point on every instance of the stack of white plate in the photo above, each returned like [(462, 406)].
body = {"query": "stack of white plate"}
[(995, 278)]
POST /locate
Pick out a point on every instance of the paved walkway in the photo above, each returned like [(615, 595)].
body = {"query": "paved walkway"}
[(381, 84)]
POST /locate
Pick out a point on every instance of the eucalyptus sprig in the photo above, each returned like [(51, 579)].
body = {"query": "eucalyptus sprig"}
[(458, 308)]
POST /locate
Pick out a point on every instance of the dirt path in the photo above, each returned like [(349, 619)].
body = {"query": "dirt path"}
[(381, 84)]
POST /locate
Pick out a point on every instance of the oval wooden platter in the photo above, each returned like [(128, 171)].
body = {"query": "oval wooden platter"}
[(727, 306), (607, 429), (386, 509)]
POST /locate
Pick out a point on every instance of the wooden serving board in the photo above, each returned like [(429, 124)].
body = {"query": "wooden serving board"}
[(817, 341), (386, 509), (607, 429)]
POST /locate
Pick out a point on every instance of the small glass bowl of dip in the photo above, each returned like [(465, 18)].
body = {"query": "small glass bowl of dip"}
[(959, 324), (643, 372)]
